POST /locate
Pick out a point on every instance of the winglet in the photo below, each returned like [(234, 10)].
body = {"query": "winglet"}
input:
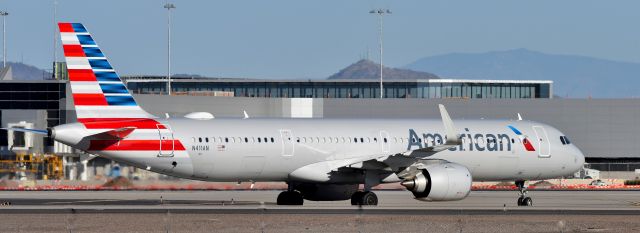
[(449, 128)]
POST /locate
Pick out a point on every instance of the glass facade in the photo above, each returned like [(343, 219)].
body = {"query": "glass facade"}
[(42, 95), (464, 89)]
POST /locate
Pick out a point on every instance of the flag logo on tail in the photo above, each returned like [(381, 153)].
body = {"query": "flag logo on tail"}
[(523, 138)]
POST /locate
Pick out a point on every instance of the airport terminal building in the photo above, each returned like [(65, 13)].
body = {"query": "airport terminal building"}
[(351, 88), (605, 129)]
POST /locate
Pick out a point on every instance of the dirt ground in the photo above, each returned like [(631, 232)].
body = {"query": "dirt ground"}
[(169, 222)]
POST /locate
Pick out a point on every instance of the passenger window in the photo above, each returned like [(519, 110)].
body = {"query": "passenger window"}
[(213, 139), (206, 140), (193, 139), (265, 140), (199, 139), (375, 139), (226, 139), (272, 140), (361, 139), (385, 140), (246, 139), (513, 140)]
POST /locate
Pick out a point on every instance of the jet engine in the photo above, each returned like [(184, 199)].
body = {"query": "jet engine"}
[(440, 182)]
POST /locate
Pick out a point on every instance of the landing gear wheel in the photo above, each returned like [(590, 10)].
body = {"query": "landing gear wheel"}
[(527, 201), (523, 200), (290, 198), (356, 198), (369, 198), (364, 198)]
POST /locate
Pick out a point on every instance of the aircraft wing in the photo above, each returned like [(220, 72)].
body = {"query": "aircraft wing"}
[(321, 171)]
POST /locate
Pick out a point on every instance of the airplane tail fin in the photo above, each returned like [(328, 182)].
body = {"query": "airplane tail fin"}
[(98, 92)]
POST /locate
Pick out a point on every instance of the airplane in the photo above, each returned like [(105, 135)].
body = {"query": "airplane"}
[(319, 159)]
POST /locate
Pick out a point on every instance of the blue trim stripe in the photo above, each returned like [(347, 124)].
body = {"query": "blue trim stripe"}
[(86, 40), (92, 52), (77, 27), (109, 88), (515, 130), (107, 76), (100, 64), (126, 100)]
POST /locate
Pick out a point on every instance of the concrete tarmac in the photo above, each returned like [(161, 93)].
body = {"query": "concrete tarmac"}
[(255, 211)]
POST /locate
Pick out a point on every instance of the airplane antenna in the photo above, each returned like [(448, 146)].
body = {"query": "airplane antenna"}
[(519, 117), (246, 116)]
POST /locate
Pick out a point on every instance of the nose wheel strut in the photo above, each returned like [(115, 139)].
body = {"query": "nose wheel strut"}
[(523, 200)]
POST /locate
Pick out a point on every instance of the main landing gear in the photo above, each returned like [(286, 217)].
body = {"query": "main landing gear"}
[(364, 198), (290, 197), (523, 200)]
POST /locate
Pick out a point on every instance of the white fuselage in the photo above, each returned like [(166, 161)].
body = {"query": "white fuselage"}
[(274, 149)]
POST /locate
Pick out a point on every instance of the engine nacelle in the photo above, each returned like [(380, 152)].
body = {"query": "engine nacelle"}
[(441, 182)]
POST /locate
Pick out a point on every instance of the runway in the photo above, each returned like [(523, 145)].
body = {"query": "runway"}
[(255, 211), (607, 201)]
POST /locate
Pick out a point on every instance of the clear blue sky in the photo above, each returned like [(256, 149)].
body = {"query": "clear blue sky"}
[(313, 39)]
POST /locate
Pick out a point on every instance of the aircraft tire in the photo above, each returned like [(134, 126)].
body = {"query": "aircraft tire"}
[(290, 198), (356, 198)]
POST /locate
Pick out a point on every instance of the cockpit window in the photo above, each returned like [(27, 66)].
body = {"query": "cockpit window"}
[(565, 140)]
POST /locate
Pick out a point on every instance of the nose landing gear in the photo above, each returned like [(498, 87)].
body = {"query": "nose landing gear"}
[(523, 200)]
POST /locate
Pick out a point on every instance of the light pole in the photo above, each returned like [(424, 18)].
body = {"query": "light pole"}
[(55, 33), (4, 39), (381, 13), (169, 6)]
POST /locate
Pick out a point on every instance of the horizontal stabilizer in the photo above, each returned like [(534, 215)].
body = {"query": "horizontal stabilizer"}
[(35, 131), (119, 133)]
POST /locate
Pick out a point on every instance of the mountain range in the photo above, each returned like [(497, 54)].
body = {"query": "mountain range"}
[(367, 69), (21, 71), (573, 76)]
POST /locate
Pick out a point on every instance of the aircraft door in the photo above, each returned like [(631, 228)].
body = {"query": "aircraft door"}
[(384, 140), (166, 142), (544, 146), (287, 142)]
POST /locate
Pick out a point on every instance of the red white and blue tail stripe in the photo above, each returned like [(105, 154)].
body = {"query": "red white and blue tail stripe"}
[(98, 92)]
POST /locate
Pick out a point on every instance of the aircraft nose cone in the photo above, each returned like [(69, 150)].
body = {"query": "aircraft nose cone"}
[(579, 159)]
